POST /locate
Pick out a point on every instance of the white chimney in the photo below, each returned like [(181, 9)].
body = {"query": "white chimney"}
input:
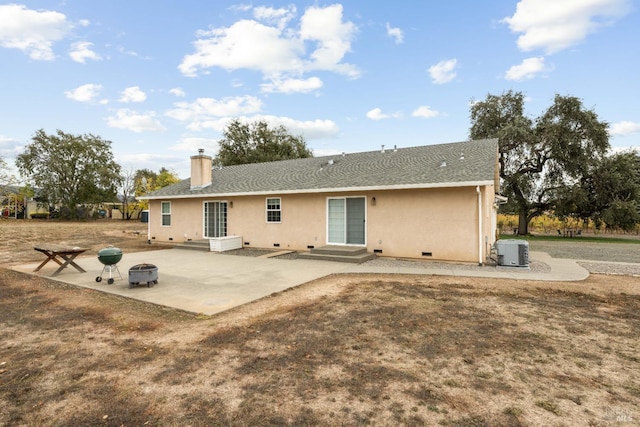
[(201, 170)]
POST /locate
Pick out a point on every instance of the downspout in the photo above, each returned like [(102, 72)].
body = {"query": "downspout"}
[(479, 225)]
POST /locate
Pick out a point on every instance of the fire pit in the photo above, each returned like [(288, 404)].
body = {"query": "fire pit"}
[(143, 273), (109, 257)]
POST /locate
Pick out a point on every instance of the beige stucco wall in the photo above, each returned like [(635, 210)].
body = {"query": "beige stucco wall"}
[(402, 223)]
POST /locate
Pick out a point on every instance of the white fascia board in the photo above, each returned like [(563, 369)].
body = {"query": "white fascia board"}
[(328, 190)]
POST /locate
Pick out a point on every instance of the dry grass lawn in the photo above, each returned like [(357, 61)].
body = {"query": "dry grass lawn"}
[(343, 350)]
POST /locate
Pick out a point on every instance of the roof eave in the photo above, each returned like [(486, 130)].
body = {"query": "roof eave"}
[(326, 190)]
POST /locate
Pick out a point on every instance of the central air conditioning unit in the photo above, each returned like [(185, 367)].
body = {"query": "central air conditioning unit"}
[(513, 253)]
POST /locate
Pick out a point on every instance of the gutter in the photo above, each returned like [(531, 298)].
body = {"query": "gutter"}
[(321, 190), (479, 225)]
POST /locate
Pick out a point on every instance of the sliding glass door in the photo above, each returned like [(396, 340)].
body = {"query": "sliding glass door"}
[(215, 219), (346, 221)]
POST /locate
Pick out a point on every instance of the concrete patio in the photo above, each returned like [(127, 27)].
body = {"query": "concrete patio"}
[(209, 283)]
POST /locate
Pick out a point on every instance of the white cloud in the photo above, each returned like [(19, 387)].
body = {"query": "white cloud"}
[(527, 69), (127, 52), (395, 33), (81, 51), (279, 17), (333, 36), (177, 92), (84, 93), (9, 149), (5, 139), (155, 161), (192, 144), (292, 85), (276, 50), (133, 94), (310, 129), (376, 114), (553, 25), (204, 110), (625, 128), (443, 71), (425, 111), (246, 44), (32, 31), (134, 121)]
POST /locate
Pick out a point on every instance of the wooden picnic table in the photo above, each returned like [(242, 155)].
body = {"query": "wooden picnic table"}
[(61, 255)]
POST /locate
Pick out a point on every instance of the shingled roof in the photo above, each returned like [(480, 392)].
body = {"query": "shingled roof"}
[(443, 165)]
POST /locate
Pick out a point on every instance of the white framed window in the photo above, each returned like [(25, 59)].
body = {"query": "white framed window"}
[(166, 214), (274, 209)]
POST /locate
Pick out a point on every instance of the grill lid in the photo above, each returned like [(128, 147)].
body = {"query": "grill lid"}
[(110, 255)]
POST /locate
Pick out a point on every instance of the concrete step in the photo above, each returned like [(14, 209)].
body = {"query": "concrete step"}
[(339, 250), (354, 259), (194, 245)]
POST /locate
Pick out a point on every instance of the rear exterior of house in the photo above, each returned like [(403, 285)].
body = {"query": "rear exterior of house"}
[(434, 202)]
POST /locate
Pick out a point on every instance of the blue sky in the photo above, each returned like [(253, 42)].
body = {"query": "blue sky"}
[(162, 78)]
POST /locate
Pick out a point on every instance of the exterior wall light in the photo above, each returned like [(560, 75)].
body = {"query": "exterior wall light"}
[(373, 201)]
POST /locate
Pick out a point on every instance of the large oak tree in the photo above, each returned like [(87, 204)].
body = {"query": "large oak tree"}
[(539, 157), (257, 142), (609, 194), (71, 170)]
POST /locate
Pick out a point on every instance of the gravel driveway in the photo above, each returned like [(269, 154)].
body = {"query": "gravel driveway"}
[(592, 251), (602, 258)]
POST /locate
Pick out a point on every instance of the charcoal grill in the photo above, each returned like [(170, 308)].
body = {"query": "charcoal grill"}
[(110, 257)]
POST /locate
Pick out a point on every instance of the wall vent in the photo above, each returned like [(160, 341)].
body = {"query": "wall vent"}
[(170, 238), (310, 246), (247, 243), (427, 254), (276, 245), (377, 251)]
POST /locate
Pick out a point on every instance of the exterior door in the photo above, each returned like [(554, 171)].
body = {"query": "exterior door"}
[(346, 221), (215, 219)]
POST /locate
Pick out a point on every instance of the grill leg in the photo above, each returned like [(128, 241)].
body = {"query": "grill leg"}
[(111, 268)]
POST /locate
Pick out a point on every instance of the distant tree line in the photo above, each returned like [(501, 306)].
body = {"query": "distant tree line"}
[(558, 163)]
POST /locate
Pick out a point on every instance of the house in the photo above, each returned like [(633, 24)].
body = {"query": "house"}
[(15, 204), (434, 202)]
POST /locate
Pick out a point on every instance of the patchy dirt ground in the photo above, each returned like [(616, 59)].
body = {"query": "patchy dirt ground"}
[(343, 350), (18, 237)]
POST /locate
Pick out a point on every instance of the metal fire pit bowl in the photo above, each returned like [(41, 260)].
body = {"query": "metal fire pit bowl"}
[(143, 273)]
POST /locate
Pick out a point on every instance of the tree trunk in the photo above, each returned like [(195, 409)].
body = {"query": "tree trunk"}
[(523, 223)]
